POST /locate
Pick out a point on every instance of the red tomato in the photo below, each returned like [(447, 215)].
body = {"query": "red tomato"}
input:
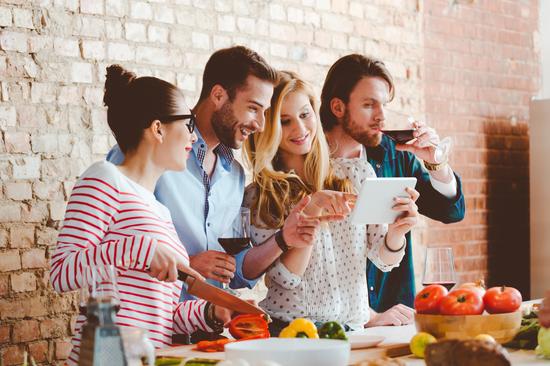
[(461, 302), (427, 301), (502, 300), (478, 287)]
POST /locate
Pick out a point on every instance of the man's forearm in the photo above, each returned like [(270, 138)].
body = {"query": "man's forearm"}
[(259, 258)]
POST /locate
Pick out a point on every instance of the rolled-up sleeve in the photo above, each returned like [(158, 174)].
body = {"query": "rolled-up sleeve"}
[(240, 281), (279, 274), (376, 237)]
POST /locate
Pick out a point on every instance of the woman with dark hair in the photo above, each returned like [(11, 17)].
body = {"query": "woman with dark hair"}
[(113, 218)]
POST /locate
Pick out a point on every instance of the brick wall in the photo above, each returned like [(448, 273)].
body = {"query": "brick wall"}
[(53, 55)]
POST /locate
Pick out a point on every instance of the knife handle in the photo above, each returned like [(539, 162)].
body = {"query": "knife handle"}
[(182, 276)]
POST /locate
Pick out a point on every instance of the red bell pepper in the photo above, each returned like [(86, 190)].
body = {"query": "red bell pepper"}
[(248, 326)]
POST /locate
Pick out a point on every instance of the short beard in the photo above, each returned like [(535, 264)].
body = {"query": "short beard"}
[(223, 122), (362, 137)]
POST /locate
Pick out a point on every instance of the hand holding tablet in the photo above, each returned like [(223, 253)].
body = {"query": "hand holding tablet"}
[(376, 199)]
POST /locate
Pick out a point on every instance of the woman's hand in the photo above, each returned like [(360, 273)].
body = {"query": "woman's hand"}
[(299, 229), (404, 223), (166, 263), (331, 202)]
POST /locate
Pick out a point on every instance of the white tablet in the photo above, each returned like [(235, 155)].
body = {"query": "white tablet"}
[(375, 201)]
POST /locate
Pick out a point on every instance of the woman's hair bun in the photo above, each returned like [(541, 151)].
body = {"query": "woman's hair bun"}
[(116, 84)]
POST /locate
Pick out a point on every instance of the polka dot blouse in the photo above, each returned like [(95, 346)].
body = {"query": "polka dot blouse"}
[(334, 285)]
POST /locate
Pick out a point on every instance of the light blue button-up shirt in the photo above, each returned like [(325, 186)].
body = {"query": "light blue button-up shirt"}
[(184, 195)]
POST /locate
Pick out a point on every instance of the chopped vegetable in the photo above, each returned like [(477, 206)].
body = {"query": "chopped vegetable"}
[(526, 338), (201, 362), (213, 346), (249, 326), (543, 349), (332, 330), (168, 361), (300, 328)]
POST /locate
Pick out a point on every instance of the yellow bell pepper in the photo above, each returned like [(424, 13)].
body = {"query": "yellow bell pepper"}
[(300, 328)]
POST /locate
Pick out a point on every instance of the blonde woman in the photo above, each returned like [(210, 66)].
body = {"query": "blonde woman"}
[(325, 280)]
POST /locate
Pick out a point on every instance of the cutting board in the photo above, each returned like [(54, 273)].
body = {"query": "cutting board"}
[(356, 356)]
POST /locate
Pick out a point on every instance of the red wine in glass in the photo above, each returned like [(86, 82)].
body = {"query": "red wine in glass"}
[(447, 285), (234, 246), (400, 136)]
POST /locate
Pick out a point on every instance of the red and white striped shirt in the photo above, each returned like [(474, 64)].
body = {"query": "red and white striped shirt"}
[(111, 219)]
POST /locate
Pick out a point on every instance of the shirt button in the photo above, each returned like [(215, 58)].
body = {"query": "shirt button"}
[(371, 288), (208, 224)]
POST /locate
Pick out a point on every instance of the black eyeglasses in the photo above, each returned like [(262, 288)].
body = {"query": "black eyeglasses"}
[(176, 117)]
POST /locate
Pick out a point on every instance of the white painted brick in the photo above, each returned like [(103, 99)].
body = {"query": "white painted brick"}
[(226, 23), (81, 72), (31, 68), (17, 142), (356, 44), (35, 213), (113, 28), (10, 212), (246, 25), (44, 143), (120, 52), (100, 144), (282, 32), (57, 210), (48, 190), (69, 94), (141, 10), (356, 9), (262, 27), (308, 2), (277, 12), (157, 34), (312, 18), (65, 143), (91, 6), (186, 81), (245, 7), (91, 26), (13, 41), (93, 49), (220, 41), (98, 119), (19, 191), (136, 32), (337, 23), (23, 18), (42, 92), (200, 40), (322, 4), (154, 56), (339, 41), (278, 50), (295, 15), (66, 47), (116, 8), (8, 116), (93, 96), (164, 14), (26, 168), (40, 43), (201, 4), (223, 6), (3, 238), (5, 17), (4, 92), (297, 53)]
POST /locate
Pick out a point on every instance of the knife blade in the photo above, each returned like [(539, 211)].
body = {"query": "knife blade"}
[(217, 296)]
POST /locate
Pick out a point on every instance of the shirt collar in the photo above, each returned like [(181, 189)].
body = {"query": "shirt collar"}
[(222, 151), (384, 151)]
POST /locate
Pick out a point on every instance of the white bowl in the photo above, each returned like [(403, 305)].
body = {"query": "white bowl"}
[(291, 351)]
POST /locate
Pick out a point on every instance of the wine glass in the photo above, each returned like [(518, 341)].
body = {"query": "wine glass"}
[(99, 283), (403, 133), (237, 237), (439, 267)]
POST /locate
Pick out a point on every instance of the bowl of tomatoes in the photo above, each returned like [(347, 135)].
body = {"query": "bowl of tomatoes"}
[(468, 310)]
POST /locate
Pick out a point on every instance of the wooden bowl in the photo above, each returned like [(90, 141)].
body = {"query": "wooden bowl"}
[(503, 327)]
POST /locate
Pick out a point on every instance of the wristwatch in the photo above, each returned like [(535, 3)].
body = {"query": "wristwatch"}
[(435, 167), (280, 240)]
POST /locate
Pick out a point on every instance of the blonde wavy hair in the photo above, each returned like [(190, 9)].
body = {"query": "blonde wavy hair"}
[(278, 191)]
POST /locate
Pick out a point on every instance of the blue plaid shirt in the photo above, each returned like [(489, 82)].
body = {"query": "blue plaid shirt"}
[(387, 289), (199, 204)]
